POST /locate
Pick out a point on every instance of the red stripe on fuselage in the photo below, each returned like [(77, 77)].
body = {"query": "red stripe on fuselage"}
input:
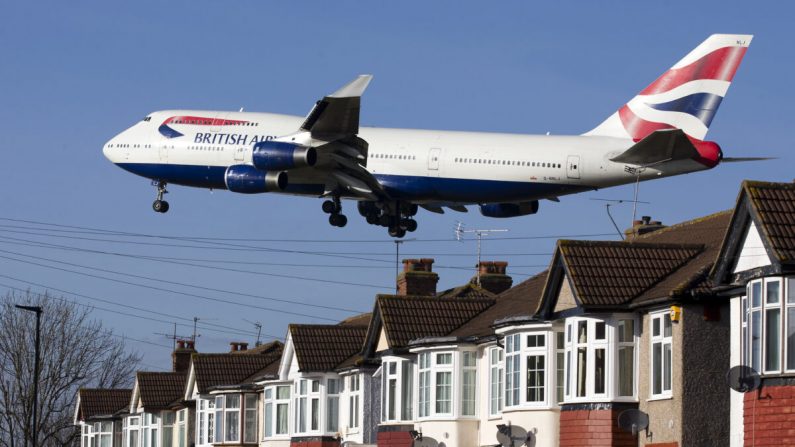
[(719, 65)]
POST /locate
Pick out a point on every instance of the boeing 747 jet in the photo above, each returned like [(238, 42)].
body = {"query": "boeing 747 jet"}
[(393, 172)]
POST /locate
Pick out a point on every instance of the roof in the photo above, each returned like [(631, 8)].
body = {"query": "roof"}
[(406, 318), (468, 290), (520, 300), (774, 208), (357, 320), (160, 389), (102, 402), (212, 370), (321, 347)]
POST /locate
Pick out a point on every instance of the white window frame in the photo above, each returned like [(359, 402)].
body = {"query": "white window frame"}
[(400, 406), (307, 396), (273, 398), (169, 422), (513, 370), (536, 351), (447, 369), (424, 385), (333, 393), (223, 410), (660, 338), (182, 427), (205, 421), (248, 416), (764, 307), (353, 394), (133, 425), (150, 433), (469, 371), (496, 373)]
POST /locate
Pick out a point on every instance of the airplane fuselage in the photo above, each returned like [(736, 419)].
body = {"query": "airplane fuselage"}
[(195, 148)]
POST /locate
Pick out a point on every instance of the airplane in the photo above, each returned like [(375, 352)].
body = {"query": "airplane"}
[(393, 172)]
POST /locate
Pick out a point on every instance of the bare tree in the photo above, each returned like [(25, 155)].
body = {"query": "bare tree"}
[(76, 351)]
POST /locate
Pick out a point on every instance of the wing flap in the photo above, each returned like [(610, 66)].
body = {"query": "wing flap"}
[(337, 115)]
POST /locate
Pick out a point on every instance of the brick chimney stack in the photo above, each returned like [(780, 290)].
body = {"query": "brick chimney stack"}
[(493, 276), (180, 358), (642, 226), (418, 278), (237, 346)]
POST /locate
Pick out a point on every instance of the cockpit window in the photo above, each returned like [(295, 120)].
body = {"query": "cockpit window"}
[(148, 118)]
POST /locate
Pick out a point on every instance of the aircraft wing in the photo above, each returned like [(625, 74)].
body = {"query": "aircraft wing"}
[(333, 124)]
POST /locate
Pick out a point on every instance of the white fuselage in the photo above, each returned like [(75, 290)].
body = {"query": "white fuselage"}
[(423, 166)]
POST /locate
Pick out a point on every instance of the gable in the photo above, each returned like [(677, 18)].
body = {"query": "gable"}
[(565, 299), (752, 253), (383, 344)]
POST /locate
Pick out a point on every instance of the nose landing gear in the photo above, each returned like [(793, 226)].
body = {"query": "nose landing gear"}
[(160, 205)]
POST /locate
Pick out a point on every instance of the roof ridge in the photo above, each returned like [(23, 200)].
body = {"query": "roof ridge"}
[(435, 298), (679, 225), (627, 244), (767, 184)]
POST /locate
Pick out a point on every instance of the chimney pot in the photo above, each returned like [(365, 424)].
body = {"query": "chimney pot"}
[(645, 220), (180, 358), (493, 276)]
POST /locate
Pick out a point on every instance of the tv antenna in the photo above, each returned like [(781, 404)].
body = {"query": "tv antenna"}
[(611, 202), (459, 233), (173, 337), (257, 325), (633, 421)]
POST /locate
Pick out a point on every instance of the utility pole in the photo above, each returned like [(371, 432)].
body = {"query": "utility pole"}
[(397, 260), (35, 428), (459, 232)]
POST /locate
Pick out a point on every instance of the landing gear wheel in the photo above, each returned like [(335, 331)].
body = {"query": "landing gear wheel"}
[(338, 220), (373, 219), (330, 207), (410, 225), (160, 206), (397, 232)]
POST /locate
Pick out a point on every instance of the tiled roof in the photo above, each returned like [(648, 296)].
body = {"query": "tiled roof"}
[(407, 318), (774, 206), (232, 368), (604, 273), (468, 290), (520, 300), (102, 402), (160, 389), (357, 320), (323, 347)]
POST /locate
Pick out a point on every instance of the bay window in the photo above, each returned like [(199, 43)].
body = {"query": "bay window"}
[(102, 434), (354, 400), (397, 390), (535, 364), (443, 379), (307, 408), (149, 430), (768, 325), (276, 411), (182, 429), (512, 372), (229, 423), (169, 418), (332, 405), (468, 383), (250, 420), (424, 363), (495, 380), (205, 422), (661, 354), (133, 431), (597, 357)]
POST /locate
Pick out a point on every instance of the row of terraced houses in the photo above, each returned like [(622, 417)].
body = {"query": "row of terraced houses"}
[(651, 323)]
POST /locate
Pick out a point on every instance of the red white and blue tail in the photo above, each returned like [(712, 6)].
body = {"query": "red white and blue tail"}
[(686, 96)]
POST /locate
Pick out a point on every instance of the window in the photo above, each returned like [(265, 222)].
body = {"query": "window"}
[(227, 418), (468, 383), (398, 389), (250, 422), (495, 380), (512, 372), (149, 430), (535, 364), (182, 430), (205, 422), (307, 412), (560, 370), (425, 384), (277, 410), (626, 357), (169, 418), (332, 405), (768, 325), (354, 400), (661, 341), (133, 431)]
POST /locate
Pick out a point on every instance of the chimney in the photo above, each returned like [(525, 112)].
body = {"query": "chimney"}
[(237, 346), (642, 226), (418, 278), (180, 358), (493, 276)]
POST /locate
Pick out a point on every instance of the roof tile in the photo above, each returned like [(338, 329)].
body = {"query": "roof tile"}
[(102, 402)]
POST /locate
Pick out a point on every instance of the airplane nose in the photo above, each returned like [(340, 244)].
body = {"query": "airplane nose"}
[(107, 151)]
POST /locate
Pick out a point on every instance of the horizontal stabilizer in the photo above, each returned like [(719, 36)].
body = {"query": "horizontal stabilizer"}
[(659, 147), (743, 159)]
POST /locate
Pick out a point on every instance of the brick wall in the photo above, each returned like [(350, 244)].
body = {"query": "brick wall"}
[(772, 421), (314, 441), (593, 427), (395, 436)]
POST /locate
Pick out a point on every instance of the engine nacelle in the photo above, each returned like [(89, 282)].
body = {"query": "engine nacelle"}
[(247, 179), (509, 209), (281, 156)]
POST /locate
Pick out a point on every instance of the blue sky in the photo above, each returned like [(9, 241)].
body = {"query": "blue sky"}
[(73, 74)]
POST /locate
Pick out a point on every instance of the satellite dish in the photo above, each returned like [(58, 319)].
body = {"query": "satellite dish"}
[(743, 378), (633, 421), (504, 435)]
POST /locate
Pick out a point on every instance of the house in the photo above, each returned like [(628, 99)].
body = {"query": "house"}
[(221, 390), (756, 271), (99, 414), (323, 384)]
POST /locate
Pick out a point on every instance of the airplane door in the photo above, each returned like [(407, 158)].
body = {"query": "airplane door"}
[(240, 154), (573, 166), (163, 151), (433, 158)]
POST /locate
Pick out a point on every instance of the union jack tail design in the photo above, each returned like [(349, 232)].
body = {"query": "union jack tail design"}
[(686, 96)]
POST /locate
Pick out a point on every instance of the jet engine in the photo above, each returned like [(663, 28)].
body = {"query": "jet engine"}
[(281, 156), (509, 209), (247, 179)]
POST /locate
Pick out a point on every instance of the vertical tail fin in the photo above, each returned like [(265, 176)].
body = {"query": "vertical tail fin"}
[(686, 96)]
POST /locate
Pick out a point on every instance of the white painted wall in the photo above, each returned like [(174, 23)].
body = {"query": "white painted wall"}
[(752, 254)]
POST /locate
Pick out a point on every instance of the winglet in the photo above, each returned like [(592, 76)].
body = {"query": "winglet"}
[(354, 88)]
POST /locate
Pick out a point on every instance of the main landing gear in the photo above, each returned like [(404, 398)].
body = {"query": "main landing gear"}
[(395, 216), (334, 209), (160, 205)]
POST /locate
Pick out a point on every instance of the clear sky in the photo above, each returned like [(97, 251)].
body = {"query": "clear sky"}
[(73, 74)]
